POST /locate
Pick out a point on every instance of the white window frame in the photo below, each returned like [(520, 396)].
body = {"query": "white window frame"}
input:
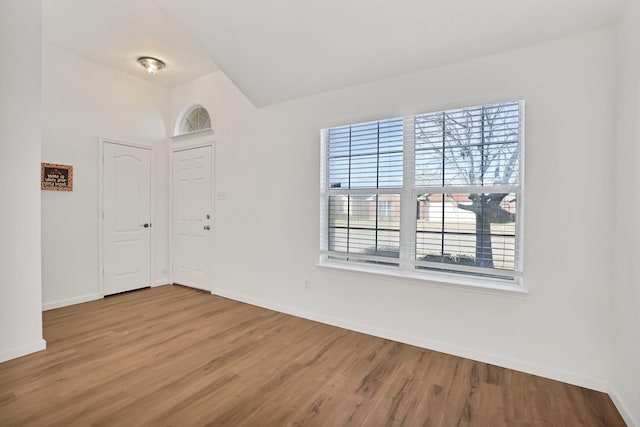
[(407, 263), (183, 118)]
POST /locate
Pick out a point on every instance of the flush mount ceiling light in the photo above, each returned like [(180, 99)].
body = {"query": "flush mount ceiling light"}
[(152, 65)]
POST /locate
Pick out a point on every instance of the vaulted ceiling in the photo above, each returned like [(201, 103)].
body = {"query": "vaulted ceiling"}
[(116, 32), (283, 49)]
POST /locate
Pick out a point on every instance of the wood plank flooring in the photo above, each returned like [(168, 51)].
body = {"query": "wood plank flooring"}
[(171, 356)]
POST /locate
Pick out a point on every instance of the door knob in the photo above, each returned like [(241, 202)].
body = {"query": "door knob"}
[(147, 225), (206, 227)]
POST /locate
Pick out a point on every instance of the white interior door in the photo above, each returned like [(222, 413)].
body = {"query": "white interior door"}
[(127, 215), (192, 217)]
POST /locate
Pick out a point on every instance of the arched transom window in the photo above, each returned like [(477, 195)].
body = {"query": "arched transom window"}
[(195, 119)]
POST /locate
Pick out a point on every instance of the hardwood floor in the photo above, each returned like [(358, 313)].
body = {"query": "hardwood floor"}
[(171, 356)]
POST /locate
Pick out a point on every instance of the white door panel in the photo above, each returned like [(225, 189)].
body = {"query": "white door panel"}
[(192, 217), (127, 207)]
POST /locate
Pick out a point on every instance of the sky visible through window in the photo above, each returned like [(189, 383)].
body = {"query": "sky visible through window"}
[(470, 146), (366, 155)]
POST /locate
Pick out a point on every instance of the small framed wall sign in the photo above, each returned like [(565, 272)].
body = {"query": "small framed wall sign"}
[(56, 177)]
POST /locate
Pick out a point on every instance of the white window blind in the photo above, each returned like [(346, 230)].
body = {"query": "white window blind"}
[(364, 178), (431, 192)]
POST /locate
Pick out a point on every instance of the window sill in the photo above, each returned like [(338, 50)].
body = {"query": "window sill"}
[(446, 280)]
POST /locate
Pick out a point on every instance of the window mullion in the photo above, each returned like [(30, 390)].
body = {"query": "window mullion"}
[(408, 197), (444, 182), (377, 197)]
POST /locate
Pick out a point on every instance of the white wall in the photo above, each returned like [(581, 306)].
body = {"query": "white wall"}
[(83, 100), (625, 381), (20, 127), (267, 160)]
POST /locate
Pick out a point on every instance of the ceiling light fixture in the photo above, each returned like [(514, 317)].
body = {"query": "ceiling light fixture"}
[(152, 65)]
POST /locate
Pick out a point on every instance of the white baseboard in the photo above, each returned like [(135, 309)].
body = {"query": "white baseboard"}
[(15, 352), (622, 408), (70, 301), (161, 282), (493, 359)]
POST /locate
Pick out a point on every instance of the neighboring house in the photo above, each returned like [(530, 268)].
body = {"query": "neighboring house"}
[(431, 207), (365, 207)]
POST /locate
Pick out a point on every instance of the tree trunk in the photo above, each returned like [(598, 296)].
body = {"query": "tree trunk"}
[(484, 251), (487, 210)]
